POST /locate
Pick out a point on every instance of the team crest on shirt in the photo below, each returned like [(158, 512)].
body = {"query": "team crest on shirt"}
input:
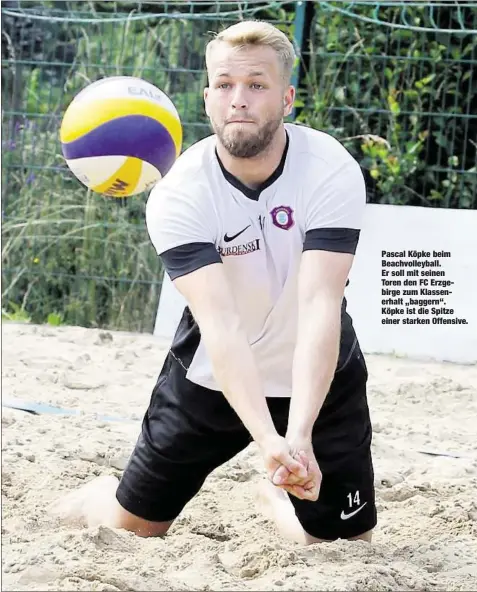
[(282, 216)]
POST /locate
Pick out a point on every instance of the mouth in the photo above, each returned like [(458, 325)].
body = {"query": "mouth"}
[(239, 121)]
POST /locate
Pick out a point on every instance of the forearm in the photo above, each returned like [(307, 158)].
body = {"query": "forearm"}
[(237, 374), (314, 363)]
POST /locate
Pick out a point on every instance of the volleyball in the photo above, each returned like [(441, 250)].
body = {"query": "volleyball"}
[(120, 135)]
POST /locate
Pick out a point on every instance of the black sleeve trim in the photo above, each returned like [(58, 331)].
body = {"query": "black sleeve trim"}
[(338, 240), (185, 259)]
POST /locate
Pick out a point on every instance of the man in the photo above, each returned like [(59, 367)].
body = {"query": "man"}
[(257, 226)]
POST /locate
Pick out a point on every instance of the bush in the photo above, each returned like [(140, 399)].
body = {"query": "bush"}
[(402, 101)]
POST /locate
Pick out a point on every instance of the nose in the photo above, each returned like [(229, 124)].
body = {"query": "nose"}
[(239, 100)]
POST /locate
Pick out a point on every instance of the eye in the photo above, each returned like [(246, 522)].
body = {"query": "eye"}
[(257, 86), (224, 85)]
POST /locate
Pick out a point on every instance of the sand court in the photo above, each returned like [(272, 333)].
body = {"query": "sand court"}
[(424, 416)]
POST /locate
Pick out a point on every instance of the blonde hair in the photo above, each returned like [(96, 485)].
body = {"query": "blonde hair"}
[(256, 33)]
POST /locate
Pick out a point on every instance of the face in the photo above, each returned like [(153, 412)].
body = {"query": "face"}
[(247, 98)]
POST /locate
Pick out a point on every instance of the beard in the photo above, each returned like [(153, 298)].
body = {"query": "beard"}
[(240, 143)]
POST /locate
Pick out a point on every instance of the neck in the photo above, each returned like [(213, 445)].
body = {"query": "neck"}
[(252, 172)]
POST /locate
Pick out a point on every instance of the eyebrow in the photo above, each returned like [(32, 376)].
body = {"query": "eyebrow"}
[(253, 74)]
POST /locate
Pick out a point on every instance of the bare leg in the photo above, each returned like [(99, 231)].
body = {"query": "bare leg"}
[(273, 502), (95, 504)]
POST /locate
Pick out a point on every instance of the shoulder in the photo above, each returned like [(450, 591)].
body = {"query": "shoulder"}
[(187, 181), (179, 210), (319, 151), (195, 159)]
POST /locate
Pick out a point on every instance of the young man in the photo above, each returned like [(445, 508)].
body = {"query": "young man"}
[(257, 226)]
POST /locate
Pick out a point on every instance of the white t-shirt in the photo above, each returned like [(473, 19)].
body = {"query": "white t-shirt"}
[(200, 214)]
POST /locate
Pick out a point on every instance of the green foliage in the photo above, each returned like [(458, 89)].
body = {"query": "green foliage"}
[(54, 319), (402, 102), (75, 257), (15, 313)]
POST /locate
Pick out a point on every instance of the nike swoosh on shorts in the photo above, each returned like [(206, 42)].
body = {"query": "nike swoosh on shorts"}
[(351, 514)]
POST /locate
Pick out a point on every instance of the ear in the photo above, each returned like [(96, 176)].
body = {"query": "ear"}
[(288, 101), (206, 94)]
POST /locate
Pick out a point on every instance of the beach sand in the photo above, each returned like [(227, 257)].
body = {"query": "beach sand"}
[(426, 538)]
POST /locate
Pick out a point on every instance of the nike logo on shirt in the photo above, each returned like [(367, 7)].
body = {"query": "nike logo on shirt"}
[(228, 238), (351, 514)]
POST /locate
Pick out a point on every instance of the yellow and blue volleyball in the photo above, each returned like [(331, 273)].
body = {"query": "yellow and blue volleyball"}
[(120, 135)]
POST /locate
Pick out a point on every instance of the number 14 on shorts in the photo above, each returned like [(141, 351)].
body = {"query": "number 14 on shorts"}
[(354, 506)]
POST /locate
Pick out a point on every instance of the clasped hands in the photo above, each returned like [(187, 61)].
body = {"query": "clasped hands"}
[(292, 466)]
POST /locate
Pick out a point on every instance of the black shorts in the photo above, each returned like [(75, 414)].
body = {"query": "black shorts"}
[(188, 431)]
